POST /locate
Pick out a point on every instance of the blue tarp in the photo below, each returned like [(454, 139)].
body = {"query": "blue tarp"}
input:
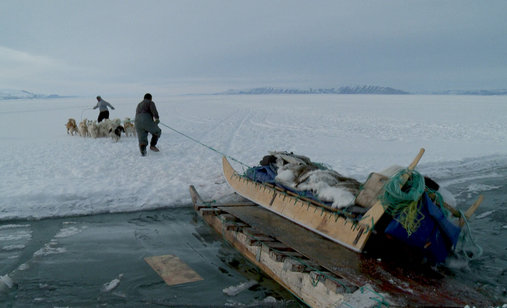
[(262, 174), (435, 237)]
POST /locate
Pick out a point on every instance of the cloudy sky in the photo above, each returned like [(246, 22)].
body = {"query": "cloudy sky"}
[(126, 47)]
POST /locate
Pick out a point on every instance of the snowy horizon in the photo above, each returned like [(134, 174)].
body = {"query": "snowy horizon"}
[(8, 94)]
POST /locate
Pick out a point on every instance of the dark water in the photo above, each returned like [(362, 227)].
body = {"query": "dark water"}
[(467, 180), (65, 262)]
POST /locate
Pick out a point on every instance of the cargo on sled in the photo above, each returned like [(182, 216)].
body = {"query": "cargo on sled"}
[(405, 207)]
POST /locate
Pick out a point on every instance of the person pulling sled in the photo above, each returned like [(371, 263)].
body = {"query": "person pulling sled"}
[(146, 121)]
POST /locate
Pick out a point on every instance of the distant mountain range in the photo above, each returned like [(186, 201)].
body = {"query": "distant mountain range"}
[(366, 89), (342, 90), (22, 94), (473, 92), (7, 94)]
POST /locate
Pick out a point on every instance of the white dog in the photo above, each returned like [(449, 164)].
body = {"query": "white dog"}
[(93, 129), (83, 128), (104, 127), (117, 121)]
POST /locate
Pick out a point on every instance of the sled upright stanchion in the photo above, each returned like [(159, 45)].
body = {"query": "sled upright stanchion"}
[(471, 210)]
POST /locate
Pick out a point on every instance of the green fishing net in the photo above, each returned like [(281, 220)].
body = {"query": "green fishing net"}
[(401, 199)]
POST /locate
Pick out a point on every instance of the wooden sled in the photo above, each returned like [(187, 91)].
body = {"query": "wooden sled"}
[(309, 213), (314, 215), (323, 273)]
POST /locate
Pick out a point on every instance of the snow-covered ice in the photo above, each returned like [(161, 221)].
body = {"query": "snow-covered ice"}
[(47, 173)]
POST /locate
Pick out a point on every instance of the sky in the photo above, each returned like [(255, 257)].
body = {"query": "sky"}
[(176, 47)]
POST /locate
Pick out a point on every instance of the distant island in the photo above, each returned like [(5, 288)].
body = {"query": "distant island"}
[(473, 92), (23, 94), (366, 89), (341, 90), (9, 94)]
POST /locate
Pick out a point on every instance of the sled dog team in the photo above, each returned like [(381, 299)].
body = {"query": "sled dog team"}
[(106, 128), (146, 122)]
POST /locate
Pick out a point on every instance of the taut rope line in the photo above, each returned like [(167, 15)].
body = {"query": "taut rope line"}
[(207, 146)]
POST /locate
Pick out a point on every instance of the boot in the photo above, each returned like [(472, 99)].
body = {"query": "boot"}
[(153, 143), (142, 147)]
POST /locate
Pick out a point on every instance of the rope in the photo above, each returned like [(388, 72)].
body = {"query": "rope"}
[(466, 238), (402, 205), (380, 301), (207, 146), (84, 111)]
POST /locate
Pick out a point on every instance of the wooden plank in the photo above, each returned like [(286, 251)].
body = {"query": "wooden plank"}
[(219, 205), (235, 226), (209, 211), (172, 270), (293, 265), (227, 217), (245, 203)]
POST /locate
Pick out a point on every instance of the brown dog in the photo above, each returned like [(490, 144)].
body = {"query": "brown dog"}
[(71, 126), (129, 127)]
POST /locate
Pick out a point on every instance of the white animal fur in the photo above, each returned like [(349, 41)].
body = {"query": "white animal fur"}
[(93, 129), (104, 127), (83, 128)]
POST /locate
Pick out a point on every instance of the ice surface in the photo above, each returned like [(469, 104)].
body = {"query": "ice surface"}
[(47, 173)]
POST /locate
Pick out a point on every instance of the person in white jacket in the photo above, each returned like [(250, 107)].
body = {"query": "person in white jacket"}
[(103, 111)]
